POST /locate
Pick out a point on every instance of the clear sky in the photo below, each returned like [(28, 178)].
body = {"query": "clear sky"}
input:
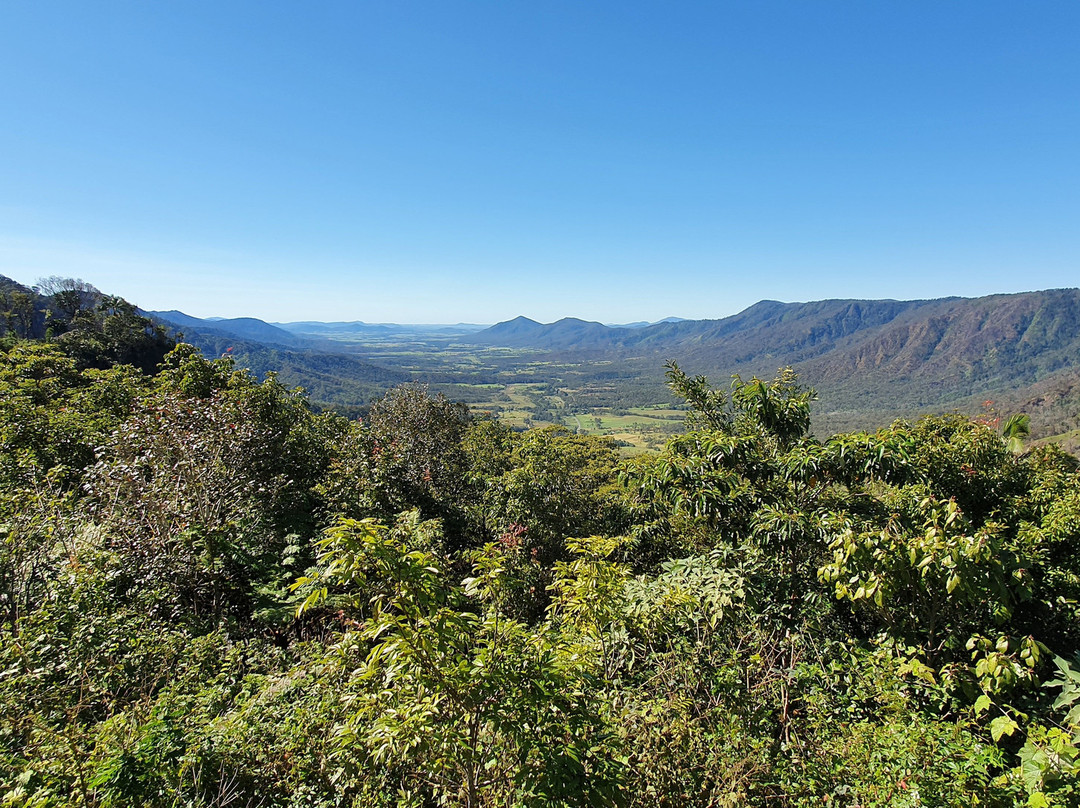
[(451, 161)]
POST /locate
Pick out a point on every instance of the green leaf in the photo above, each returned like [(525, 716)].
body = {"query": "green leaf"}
[(1001, 726)]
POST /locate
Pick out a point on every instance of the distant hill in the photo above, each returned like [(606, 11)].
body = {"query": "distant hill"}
[(519, 331), (360, 330), (643, 323), (570, 332), (881, 356), (243, 327), (329, 376)]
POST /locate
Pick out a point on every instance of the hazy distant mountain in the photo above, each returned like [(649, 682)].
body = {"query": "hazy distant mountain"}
[(241, 327), (643, 323), (359, 329)]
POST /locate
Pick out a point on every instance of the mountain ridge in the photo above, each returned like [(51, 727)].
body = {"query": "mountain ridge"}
[(875, 357), (249, 328), (884, 355)]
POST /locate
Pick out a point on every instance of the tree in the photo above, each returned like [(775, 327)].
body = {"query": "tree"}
[(70, 296), (113, 333), (407, 454), (20, 314), (204, 483), (471, 707), (1014, 430), (746, 473)]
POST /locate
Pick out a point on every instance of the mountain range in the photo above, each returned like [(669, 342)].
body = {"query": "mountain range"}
[(876, 358), (248, 328), (892, 355), (1005, 337)]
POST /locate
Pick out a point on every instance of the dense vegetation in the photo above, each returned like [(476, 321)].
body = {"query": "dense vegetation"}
[(95, 329), (211, 595)]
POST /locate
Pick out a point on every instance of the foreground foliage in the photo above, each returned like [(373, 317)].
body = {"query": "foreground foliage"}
[(211, 596)]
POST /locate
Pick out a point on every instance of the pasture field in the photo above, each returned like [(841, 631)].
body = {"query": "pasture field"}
[(640, 430), (522, 406), (624, 400)]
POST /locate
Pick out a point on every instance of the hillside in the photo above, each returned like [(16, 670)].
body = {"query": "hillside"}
[(330, 377), (879, 358), (94, 329), (248, 328)]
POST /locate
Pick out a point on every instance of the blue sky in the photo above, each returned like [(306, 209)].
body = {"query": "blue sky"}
[(472, 161)]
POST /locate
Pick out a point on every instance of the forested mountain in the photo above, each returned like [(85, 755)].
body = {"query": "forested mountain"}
[(95, 329), (862, 356), (765, 327), (1017, 336), (247, 328), (330, 377)]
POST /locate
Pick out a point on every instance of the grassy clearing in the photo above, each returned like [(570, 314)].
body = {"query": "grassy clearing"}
[(1069, 441), (659, 411), (523, 405), (637, 445), (641, 432)]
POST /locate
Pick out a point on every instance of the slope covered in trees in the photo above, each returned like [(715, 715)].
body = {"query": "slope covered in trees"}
[(330, 377), (245, 328), (213, 596), (95, 329), (867, 359)]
